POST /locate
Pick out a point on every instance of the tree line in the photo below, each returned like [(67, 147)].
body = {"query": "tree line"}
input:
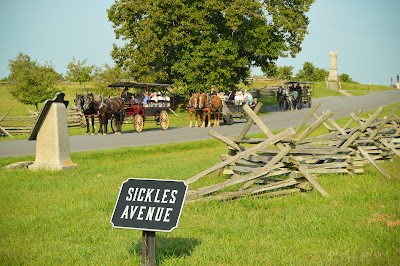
[(34, 83)]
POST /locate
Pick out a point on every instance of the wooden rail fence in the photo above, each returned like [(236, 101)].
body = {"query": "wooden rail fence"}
[(13, 125), (291, 160)]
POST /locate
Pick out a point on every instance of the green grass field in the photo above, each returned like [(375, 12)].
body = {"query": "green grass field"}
[(63, 217), (50, 218)]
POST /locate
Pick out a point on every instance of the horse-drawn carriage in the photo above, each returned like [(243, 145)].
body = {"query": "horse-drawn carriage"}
[(306, 89), (203, 105), (146, 100), (150, 100), (294, 95), (231, 110)]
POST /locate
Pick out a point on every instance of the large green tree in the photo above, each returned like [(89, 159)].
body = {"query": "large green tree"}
[(107, 75), (80, 71), (203, 42), (312, 73), (34, 83)]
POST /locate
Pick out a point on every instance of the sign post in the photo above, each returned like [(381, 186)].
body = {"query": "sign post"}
[(150, 205)]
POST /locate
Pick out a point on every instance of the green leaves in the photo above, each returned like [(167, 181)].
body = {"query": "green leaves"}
[(199, 43), (79, 71), (312, 73), (34, 82)]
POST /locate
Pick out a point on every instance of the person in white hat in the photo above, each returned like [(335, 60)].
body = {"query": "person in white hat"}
[(239, 98)]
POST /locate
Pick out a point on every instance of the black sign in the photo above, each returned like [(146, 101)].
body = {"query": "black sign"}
[(149, 204)]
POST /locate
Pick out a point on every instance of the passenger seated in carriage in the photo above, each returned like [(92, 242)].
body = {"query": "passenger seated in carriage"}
[(248, 98), (126, 95), (239, 98), (231, 96), (133, 99), (254, 103), (153, 99), (167, 100), (146, 99)]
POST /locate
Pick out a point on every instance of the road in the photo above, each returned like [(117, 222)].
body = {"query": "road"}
[(340, 106)]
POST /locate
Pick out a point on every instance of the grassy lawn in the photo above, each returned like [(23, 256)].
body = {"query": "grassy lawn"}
[(50, 218), (63, 217)]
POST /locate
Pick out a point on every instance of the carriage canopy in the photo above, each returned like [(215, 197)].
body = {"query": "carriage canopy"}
[(129, 84)]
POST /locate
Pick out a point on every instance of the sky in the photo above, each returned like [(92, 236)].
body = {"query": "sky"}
[(364, 33)]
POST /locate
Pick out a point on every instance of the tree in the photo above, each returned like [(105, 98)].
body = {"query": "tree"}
[(79, 71), (34, 83), (346, 78), (106, 76), (285, 72), (271, 70), (199, 43), (311, 73)]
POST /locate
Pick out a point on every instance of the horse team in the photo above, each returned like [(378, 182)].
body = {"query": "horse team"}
[(91, 105), (289, 97), (204, 105)]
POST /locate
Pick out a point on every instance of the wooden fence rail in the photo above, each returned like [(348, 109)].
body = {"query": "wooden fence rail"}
[(293, 163), (14, 125)]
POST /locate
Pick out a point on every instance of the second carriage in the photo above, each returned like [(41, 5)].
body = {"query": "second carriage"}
[(306, 90), (150, 101), (231, 110)]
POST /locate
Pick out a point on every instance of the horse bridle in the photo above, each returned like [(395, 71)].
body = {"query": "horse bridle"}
[(200, 101)]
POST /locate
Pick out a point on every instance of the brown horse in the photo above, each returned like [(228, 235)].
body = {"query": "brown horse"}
[(193, 108), (107, 108), (210, 104), (90, 113)]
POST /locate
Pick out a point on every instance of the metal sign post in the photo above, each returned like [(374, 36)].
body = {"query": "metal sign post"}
[(149, 205)]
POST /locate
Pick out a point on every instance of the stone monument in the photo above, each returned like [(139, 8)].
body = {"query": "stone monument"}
[(51, 135), (332, 66), (333, 82)]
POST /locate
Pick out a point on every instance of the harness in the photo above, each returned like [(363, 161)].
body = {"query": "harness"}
[(111, 108)]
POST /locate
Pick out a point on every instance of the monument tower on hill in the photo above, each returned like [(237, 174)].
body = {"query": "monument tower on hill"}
[(333, 82), (332, 66)]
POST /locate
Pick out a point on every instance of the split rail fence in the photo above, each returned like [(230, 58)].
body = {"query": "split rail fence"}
[(290, 161), (14, 125)]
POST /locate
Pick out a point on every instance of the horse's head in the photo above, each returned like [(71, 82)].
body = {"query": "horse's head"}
[(87, 101), (203, 98), (79, 100), (286, 92), (194, 100)]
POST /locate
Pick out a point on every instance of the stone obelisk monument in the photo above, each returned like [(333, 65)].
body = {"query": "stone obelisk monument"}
[(333, 79), (332, 66)]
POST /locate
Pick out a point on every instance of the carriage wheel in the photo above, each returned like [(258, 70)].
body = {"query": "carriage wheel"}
[(164, 120), (228, 119), (138, 123), (309, 103), (300, 104)]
